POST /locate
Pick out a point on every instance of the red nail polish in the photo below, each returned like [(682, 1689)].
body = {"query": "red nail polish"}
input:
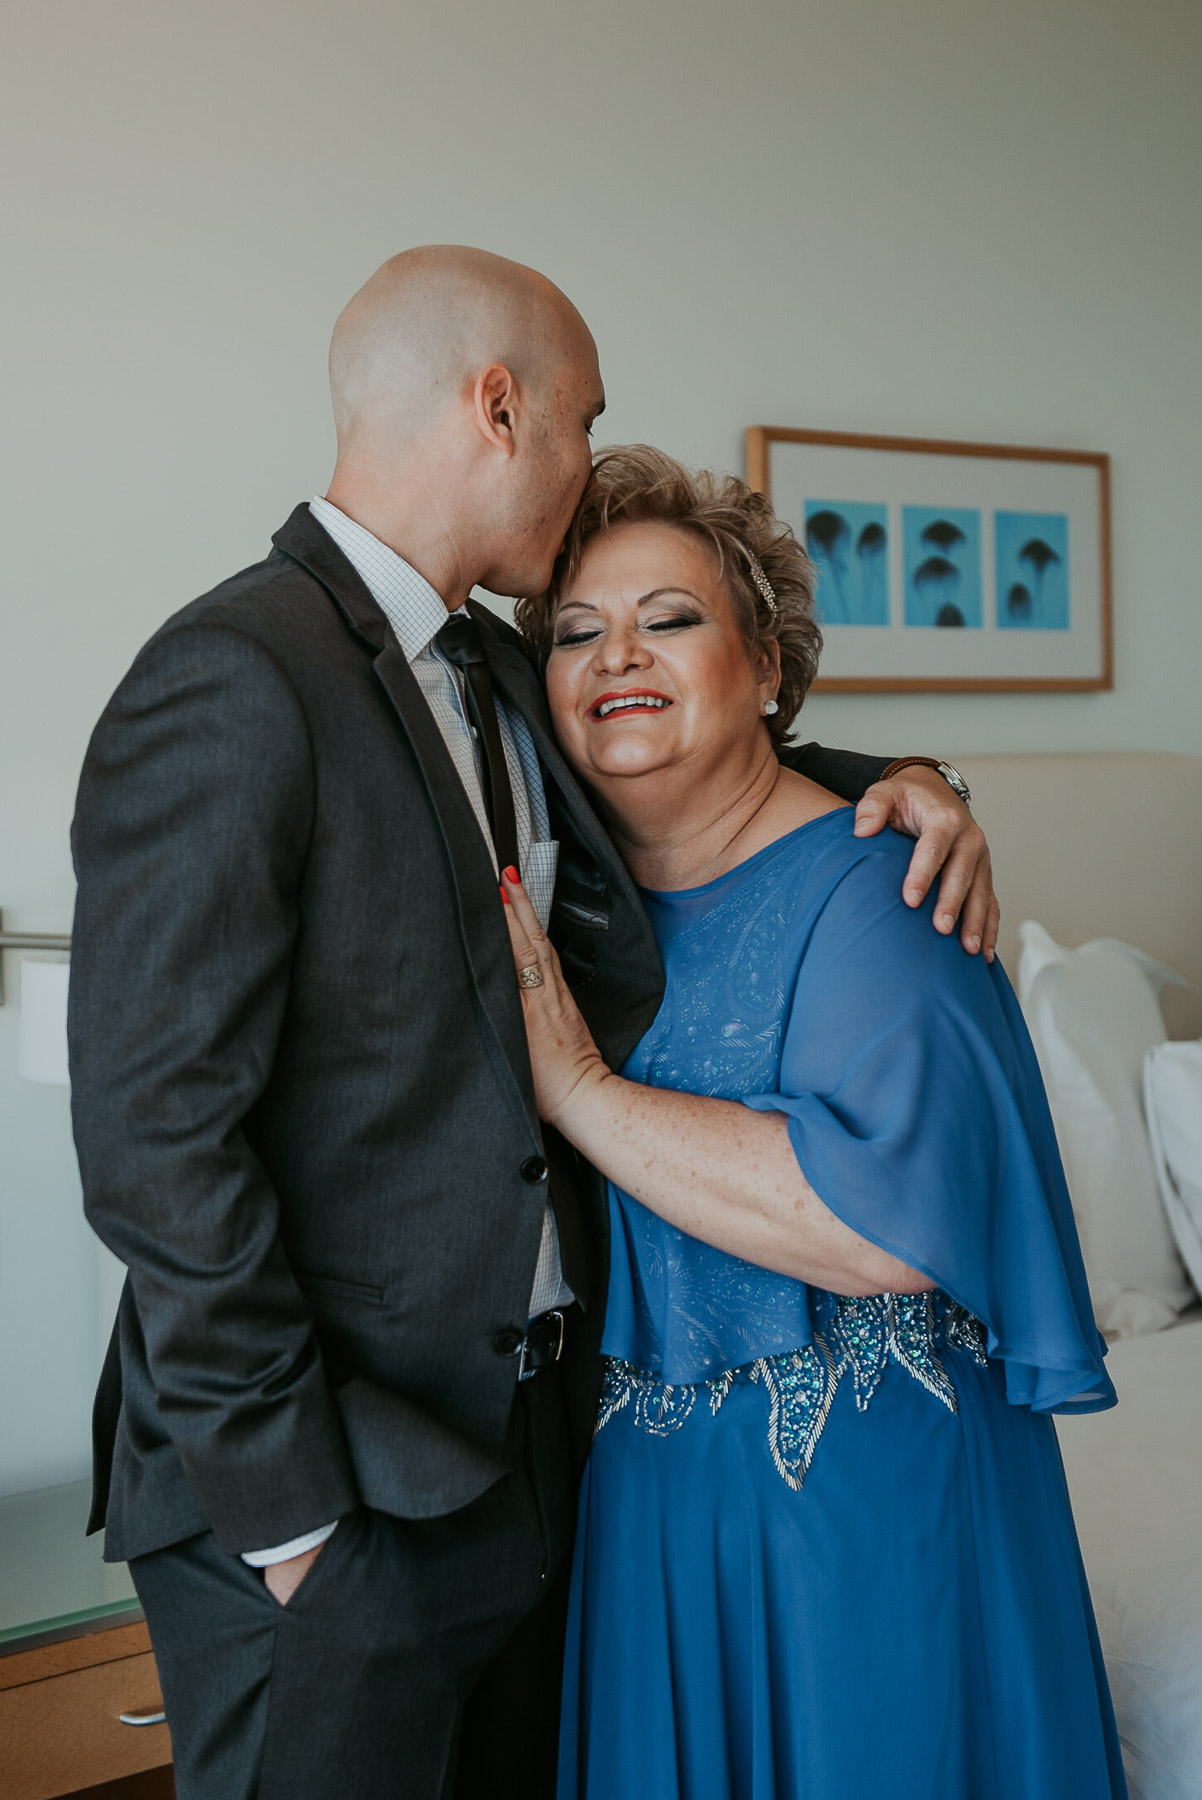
[(511, 874), (504, 896)]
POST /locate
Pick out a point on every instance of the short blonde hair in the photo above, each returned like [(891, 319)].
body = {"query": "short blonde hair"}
[(636, 484)]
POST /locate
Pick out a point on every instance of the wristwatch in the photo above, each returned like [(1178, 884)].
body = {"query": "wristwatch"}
[(952, 776)]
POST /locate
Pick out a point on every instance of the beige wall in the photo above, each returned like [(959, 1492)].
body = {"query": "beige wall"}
[(927, 216), (1100, 846)]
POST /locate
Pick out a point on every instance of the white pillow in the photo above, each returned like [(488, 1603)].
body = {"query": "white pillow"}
[(1093, 1016), (1173, 1099)]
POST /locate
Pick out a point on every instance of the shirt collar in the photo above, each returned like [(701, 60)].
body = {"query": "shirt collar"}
[(412, 607)]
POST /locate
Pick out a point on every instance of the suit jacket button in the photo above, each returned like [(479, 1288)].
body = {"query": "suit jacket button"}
[(507, 1343), (534, 1169)]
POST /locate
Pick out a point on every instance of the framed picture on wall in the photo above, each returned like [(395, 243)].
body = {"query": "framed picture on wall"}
[(947, 566)]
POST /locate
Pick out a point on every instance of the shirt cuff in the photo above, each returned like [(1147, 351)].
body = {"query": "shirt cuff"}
[(262, 1559)]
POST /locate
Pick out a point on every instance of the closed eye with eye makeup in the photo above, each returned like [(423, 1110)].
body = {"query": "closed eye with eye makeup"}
[(579, 623)]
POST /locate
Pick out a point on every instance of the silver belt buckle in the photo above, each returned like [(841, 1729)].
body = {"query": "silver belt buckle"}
[(525, 1374)]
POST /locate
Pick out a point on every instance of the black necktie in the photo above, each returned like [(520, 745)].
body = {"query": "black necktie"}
[(461, 643)]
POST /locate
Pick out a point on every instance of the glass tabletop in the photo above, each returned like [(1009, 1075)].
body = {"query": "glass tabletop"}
[(52, 1577)]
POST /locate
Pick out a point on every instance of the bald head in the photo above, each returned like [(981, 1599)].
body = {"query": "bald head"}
[(427, 322), (465, 389)]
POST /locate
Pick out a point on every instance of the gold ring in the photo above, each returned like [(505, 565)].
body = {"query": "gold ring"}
[(531, 976)]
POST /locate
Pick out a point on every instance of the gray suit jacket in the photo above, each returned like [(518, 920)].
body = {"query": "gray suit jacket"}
[(301, 1095)]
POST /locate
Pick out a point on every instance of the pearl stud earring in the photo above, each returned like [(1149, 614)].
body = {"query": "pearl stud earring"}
[(771, 707)]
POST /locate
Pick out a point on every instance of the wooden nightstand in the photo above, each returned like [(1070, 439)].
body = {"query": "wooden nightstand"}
[(76, 1668)]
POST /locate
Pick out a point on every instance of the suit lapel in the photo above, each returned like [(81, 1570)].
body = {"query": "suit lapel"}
[(622, 984), (619, 998), (478, 908), (478, 904)]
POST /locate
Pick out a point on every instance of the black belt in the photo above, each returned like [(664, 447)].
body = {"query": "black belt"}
[(542, 1344)]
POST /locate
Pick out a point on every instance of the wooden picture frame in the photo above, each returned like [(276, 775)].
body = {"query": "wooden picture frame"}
[(1010, 545)]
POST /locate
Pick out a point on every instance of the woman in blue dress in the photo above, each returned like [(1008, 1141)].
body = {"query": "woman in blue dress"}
[(825, 1547)]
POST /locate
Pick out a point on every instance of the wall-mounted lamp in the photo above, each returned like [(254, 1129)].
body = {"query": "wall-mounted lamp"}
[(42, 1044)]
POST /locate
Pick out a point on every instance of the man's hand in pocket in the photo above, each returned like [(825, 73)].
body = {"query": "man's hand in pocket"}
[(283, 1578)]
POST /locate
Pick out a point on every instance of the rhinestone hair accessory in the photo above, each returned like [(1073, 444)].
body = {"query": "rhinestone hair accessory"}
[(762, 583)]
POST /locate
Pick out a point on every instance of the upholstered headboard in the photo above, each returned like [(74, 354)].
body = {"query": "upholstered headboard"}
[(1104, 844)]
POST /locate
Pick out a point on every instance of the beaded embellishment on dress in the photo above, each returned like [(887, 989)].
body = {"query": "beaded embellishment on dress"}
[(852, 1337)]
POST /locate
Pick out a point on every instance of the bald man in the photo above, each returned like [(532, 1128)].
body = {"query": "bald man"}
[(355, 1365)]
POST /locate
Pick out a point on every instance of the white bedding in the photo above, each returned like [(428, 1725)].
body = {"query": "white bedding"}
[(1136, 1479)]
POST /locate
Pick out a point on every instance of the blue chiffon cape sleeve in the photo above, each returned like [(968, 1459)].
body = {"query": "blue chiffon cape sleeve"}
[(918, 1115)]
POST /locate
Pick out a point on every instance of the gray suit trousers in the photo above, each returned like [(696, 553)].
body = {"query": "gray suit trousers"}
[(361, 1686)]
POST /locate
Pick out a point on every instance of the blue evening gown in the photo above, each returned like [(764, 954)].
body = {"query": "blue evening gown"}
[(825, 1547)]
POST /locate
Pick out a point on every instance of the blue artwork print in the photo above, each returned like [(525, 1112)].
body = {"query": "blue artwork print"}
[(849, 543), (943, 565), (1032, 571)]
